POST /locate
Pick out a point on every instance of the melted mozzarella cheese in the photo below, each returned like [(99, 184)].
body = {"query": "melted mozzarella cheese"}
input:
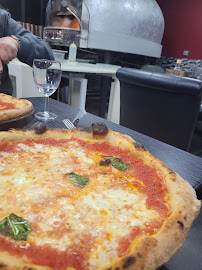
[(37, 189)]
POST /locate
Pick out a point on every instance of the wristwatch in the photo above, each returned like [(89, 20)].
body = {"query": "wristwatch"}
[(14, 37)]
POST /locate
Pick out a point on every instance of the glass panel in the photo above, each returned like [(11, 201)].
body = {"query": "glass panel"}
[(63, 14)]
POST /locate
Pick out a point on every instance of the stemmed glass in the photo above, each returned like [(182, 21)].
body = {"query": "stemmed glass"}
[(47, 76)]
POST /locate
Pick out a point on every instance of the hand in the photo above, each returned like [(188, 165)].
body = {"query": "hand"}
[(8, 50)]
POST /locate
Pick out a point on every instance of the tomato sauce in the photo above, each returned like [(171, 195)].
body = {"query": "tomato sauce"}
[(151, 183), (124, 244), (6, 106), (75, 256), (5, 147), (148, 182)]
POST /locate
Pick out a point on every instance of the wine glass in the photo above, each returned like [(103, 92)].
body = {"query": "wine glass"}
[(47, 76)]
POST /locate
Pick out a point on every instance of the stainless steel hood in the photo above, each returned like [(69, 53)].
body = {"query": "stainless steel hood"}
[(130, 26)]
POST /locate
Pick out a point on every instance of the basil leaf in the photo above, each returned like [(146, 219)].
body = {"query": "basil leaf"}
[(15, 227), (119, 164), (77, 180)]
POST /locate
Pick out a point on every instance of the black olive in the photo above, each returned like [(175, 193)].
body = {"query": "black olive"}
[(99, 129), (105, 162), (39, 127)]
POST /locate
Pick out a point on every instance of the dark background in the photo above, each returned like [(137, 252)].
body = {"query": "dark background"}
[(29, 11)]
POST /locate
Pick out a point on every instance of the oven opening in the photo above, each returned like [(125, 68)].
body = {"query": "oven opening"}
[(64, 21)]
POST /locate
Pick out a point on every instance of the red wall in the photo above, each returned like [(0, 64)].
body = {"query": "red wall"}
[(183, 28)]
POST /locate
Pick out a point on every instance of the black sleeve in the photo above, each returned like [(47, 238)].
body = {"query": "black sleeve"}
[(30, 47)]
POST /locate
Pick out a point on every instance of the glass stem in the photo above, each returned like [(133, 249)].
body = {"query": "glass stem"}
[(46, 105)]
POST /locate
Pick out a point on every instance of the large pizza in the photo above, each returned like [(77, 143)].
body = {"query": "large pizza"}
[(13, 108), (93, 199)]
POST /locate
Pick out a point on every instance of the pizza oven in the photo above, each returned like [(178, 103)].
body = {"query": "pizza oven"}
[(130, 26)]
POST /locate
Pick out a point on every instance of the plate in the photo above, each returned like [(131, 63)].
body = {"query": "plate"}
[(17, 123)]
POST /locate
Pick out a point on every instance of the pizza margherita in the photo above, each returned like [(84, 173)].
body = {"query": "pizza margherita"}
[(12, 108), (83, 200)]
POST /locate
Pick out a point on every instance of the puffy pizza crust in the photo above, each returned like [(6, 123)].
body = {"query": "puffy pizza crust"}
[(23, 107), (146, 252)]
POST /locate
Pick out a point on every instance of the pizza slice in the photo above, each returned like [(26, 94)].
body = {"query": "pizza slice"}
[(12, 108)]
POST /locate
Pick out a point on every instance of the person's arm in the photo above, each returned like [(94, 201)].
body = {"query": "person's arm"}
[(30, 47)]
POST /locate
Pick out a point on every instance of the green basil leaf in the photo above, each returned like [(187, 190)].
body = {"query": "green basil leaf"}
[(119, 164), (77, 180), (15, 227)]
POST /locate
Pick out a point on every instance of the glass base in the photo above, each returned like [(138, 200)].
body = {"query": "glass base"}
[(45, 116)]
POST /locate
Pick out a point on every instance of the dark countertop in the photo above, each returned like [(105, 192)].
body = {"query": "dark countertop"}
[(188, 166)]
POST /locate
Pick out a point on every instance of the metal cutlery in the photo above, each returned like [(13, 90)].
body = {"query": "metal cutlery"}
[(68, 123)]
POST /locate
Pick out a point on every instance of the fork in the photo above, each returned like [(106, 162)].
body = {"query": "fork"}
[(68, 123)]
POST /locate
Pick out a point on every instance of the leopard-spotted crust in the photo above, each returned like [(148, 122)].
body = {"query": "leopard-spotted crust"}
[(146, 252), (23, 107)]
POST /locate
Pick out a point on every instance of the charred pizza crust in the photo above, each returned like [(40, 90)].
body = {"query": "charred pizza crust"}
[(22, 107), (146, 252)]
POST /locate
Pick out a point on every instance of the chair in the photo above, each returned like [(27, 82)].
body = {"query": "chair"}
[(22, 79), (159, 105)]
